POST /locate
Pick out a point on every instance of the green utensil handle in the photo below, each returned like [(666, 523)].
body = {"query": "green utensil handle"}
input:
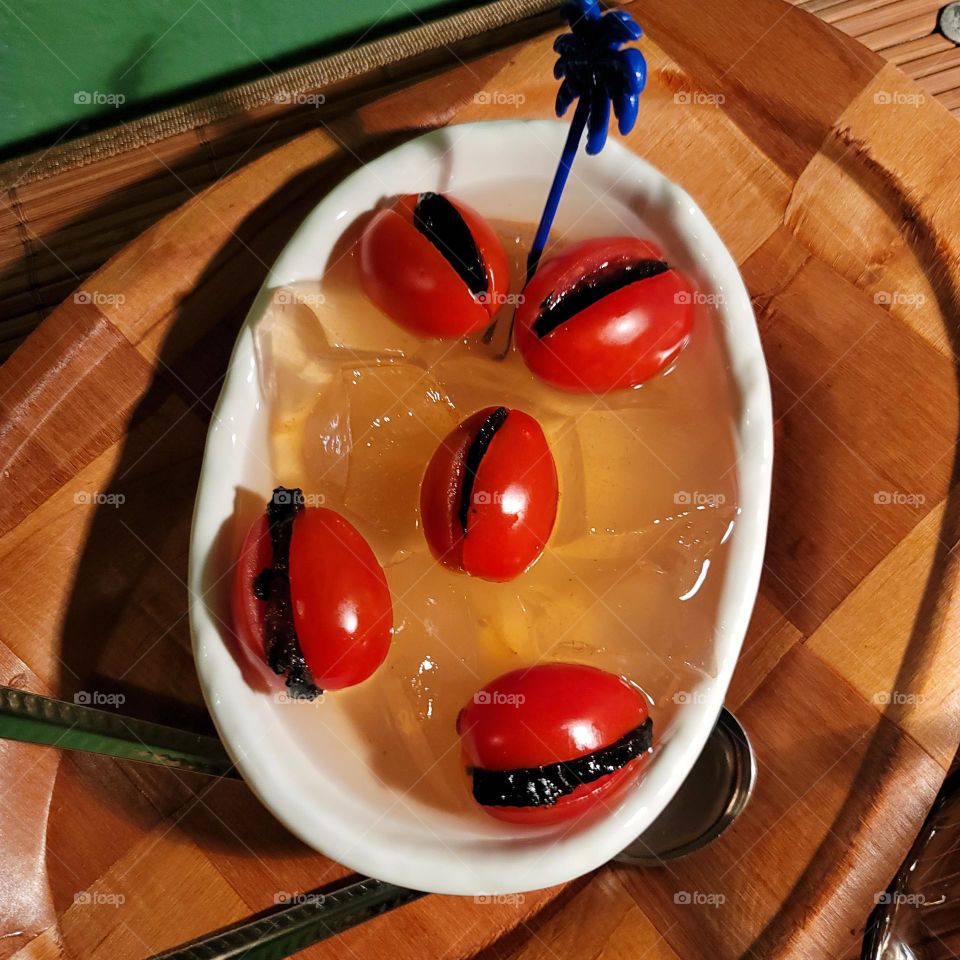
[(32, 718), (311, 918)]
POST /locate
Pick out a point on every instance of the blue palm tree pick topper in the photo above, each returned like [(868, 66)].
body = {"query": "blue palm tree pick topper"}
[(597, 71)]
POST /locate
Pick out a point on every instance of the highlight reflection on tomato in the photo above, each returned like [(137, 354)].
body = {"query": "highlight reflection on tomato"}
[(310, 597), (433, 265), (488, 500), (546, 743), (605, 314)]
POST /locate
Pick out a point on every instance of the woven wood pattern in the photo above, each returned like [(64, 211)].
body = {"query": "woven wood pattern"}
[(831, 182)]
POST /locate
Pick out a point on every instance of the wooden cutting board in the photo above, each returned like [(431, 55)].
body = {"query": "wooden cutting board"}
[(832, 179)]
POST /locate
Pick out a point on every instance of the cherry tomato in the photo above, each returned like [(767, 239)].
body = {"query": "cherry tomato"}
[(433, 265), (488, 499), (520, 727), (339, 599), (604, 314), (248, 612)]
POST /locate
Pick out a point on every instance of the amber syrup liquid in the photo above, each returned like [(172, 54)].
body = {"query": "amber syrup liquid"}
[(631, 576)]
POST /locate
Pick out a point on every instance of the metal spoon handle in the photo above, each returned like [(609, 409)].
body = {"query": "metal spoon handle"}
[(32, 718), (311, 918)]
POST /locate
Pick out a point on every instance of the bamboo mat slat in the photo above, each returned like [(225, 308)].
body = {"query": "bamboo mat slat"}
[(912, 28), (855, 21), (65, 212), (951, 100), (831, 10), (902, 53), (944, 81), (932, 64)]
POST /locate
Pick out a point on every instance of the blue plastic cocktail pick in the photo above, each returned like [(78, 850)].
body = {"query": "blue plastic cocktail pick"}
[(597, 71)]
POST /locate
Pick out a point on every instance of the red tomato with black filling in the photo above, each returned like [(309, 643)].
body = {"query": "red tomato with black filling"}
[(312, 595), (605, 314), (247, 610), (547, 743), (433, 265), (488, 500)]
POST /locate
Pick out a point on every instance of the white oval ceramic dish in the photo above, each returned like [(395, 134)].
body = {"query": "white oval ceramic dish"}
[(311, 772)]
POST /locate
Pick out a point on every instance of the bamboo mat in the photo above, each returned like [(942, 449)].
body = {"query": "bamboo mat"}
[(67, 210), (905, 33)]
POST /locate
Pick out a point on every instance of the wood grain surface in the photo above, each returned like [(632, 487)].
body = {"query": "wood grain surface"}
[(834, 184)]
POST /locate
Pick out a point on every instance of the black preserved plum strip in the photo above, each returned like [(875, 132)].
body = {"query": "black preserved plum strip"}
[(471, 464), (441, 223), (272, 585), (559, 307), (544, 786)]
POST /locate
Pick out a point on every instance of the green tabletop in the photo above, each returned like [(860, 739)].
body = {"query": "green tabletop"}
[(70, 66)]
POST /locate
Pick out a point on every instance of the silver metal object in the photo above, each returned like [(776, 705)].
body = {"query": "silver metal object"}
[(709, 800), (309, 918), (32, 718), (950, 22)]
